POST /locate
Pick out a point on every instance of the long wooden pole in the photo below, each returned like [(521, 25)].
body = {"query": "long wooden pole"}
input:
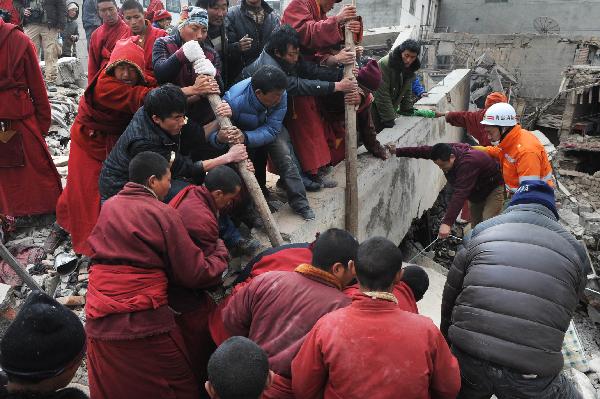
[(351, 192), (252, 184)]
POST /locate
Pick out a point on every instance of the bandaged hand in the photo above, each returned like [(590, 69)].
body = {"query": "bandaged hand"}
[(203, 66), (192, 50)]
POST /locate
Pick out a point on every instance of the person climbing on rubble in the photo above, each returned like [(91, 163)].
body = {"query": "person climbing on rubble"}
[(473, 175), (29, 181), (278, 308), (135, 347), (199, 207), (509, 298), (471, 120), (398, 353), (521, 154), (41, 351), (398, 69)]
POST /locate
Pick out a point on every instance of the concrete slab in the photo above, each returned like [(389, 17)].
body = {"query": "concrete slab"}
[(431, 304)]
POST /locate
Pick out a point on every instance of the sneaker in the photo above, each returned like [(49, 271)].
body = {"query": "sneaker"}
[(245, 247), (311, 185), (307, 213)]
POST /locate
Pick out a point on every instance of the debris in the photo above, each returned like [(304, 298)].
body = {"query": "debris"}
[(72, 300), (582, 382)]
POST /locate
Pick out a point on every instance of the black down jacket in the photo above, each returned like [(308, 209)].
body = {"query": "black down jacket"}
[(239, 22), (512, 290), (144, 135)]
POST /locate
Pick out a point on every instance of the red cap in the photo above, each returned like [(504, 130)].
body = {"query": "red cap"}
[(160, 15), (369, 76)]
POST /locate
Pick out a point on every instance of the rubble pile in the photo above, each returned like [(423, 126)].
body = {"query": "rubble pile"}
[(489, 76)]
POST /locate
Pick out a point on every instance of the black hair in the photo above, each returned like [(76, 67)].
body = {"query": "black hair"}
[(238, 369), (132, 5), (5, 15), (378, 261), (206, 4), (222, 178), (269, 78), (147, 164), (417, 279), (106, 1), (334, 246), (165, 101), (441, 152), (411, 45), (280, 38)]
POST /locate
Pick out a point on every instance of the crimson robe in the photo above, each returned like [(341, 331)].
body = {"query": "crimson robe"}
[(470, 120), (104, 112), (29, 181), (152, 34), (138, 245), (397, 354), (10, 7), (153, 7), (101, 44), (304, 122)]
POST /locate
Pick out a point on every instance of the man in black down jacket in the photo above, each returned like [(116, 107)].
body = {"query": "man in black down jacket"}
[(159, 126), (509, 298), (249, 26)]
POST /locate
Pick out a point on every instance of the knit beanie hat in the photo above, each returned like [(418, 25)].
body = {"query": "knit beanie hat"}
[(369, 75), (535, 192), (160, 15), (196, 15), (44, 339), (495, 98)]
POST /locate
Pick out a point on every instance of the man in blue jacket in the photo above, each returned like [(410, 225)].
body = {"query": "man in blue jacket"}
[(258, 105)]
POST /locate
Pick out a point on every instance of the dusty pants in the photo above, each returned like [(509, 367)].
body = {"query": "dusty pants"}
[(490, 207), (47, 38)]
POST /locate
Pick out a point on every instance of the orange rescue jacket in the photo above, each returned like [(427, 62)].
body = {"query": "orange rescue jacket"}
[(522, 157)]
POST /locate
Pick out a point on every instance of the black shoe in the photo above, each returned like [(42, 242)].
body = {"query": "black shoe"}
[(324, 181), (245, 247), (307, 213), (311, 185), (274, 205), (55, 238)]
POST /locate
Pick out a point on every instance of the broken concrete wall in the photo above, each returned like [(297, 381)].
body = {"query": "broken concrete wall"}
[(536, 61), (574, 17), (394, 192)]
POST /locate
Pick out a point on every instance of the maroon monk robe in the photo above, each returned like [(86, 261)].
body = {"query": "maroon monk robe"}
[(397, 353), (147, 44), (198, 211), (105, 110), (102, 42), (29, 182), (135, 348)]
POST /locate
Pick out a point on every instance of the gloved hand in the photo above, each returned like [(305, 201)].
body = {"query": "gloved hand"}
[(192, 50), (388, 124), (425, 113), (203, 66)]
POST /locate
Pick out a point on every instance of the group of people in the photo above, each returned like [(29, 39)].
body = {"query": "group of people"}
[(153, 202)]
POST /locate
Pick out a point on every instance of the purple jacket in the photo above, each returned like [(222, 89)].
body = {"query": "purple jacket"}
[(473, 176)]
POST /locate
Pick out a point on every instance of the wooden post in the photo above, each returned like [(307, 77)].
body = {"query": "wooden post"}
[(351, 193), (252, 184)]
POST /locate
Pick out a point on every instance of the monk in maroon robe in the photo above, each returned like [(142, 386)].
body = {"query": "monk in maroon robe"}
[(133, 15), (317, 33), (29, 182), (398, 354), (105, 110), (140, 246), (104, 38)]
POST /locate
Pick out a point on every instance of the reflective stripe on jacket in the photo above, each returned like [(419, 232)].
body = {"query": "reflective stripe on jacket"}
[(522, 157)]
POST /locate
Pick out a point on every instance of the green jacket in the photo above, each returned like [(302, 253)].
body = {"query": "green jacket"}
[(395, 90)]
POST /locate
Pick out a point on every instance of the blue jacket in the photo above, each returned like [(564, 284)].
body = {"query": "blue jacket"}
[(259, 124), (417, 87)]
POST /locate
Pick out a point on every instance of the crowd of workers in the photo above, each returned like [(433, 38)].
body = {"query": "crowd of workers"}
[(153, 203)]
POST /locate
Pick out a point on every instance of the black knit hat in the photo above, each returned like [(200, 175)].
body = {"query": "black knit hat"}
[(44, 339)]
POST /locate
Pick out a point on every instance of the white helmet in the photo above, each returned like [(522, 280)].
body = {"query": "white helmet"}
[(500, 114)]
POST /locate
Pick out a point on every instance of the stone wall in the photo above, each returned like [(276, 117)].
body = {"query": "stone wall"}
[(574, 17), (394, 192)]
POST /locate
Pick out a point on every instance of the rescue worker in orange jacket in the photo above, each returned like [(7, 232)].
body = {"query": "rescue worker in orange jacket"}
[(521, 155)]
